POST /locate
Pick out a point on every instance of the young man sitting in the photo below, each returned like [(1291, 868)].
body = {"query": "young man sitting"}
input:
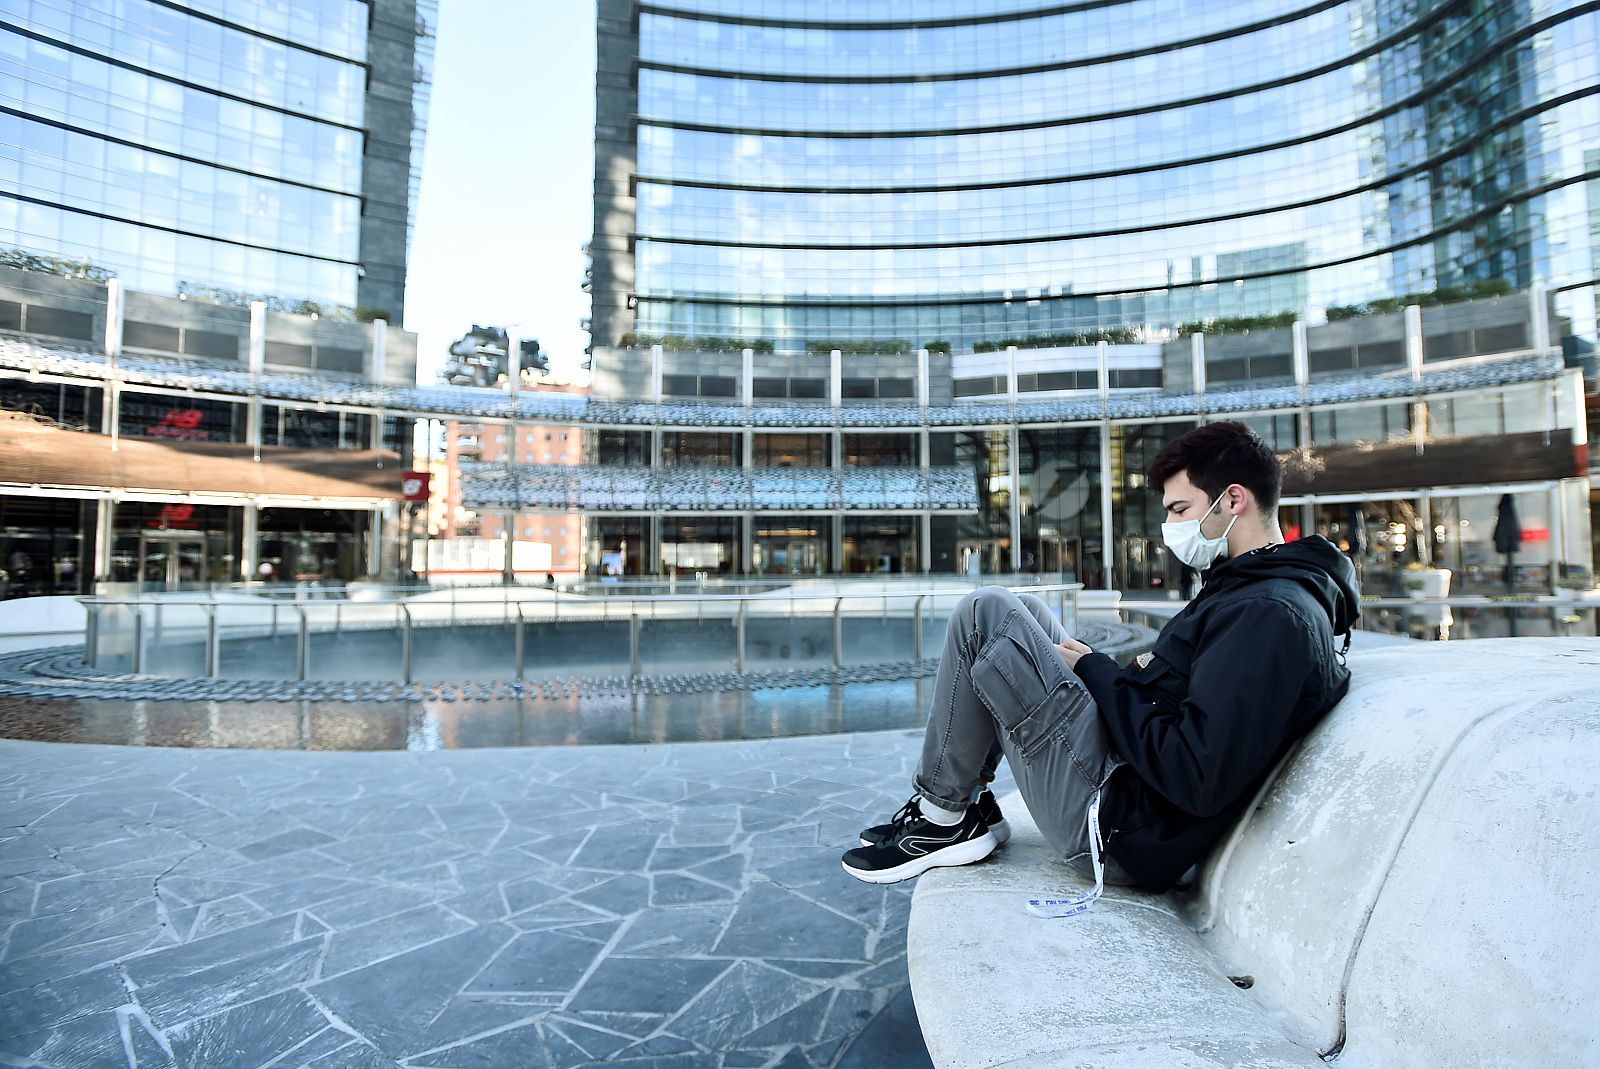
[(1156, 760)]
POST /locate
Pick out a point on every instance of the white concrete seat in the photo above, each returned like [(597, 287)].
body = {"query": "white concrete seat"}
[(1414, 888)]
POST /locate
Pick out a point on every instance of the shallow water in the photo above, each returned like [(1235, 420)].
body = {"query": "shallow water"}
[(583, 719)]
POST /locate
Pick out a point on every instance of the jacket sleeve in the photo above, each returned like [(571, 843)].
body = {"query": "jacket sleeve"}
[(1249, 671)]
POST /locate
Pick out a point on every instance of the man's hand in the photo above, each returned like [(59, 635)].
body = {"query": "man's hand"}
[(1073, 651)]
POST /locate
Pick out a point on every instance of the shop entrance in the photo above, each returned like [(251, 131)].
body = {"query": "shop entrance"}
[(172, 560)]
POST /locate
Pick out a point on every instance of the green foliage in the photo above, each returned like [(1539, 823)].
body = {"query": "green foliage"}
[(293, 306), (695, 343), (940, 347), (875, 347), (23, 260), (1110, 335), (1487, 287), (1237, 324)]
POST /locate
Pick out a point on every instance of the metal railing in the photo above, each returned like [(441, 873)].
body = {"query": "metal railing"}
[(859, 622)]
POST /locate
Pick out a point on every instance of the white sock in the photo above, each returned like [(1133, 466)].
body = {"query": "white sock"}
[(942, 817)]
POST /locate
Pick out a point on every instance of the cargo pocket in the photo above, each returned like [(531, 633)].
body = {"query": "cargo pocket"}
[(1026, 684)]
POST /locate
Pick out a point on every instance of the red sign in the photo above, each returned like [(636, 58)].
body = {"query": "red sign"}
[(179, 423), (175, 517), (414, 485), (1536, 534)]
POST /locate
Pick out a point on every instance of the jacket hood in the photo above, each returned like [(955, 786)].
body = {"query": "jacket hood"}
[(1315, 563)]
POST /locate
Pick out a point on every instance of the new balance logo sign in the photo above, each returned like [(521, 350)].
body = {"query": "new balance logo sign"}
[(179, 423)]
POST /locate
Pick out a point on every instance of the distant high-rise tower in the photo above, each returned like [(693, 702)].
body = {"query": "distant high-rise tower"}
[(243, 150), (879, 176)]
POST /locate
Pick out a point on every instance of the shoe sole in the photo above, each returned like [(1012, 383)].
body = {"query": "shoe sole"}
[(1000, 831), (960, 854)]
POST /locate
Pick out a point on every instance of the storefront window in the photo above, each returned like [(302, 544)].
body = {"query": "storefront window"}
[(1141, 560), (1060, 502), (44, 546), (885, 545), (688, 449), (1280, 431), (983, 538), (880, 450), (175, 545), (313, 545), (791, 451), (192, 419), (790, 545), (1464, 542), (619, 448), (617, 546), (73, 407), (694, 545), (1381, 537), (1365, 423)]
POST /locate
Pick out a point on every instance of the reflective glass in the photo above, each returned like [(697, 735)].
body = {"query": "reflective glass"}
[(895, 11), (159, 262), (336, 26), (1305, 107), (1069, 36), (96, 97), (170, 43), (1370, 180), (154, 189)]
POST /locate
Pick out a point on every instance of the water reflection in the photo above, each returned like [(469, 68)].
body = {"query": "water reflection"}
[(578, 719), (1431, 621)]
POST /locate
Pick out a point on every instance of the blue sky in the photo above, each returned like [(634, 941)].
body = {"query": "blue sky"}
[(507, 177)]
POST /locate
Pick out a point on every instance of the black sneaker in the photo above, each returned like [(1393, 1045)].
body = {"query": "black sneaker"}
[(988, 809), (919, 844)]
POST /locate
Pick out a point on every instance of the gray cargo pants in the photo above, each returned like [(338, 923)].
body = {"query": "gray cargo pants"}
[(1003, 689)]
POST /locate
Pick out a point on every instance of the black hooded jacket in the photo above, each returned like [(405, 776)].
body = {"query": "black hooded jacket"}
[(1237, 676)]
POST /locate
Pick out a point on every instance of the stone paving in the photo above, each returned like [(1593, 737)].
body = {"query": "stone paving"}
[(678, 905)]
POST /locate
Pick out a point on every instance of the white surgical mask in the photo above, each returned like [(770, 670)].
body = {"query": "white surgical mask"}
[(1193, 548)]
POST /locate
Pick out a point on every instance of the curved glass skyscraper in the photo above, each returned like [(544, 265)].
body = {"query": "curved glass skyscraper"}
[(227, 147), (880, 176)]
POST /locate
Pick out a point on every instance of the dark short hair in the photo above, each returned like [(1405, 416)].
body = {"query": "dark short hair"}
[(1217, 455)]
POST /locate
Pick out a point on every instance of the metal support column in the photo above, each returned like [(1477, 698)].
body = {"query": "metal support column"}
[(105, 527), (405, 644), (375, 543), (1107, 539), (916, 628), (522, 646), (213, 642), (739, 635), (633, 645), (249, 542), (302, 646), (1413, 320), (1016, 491)]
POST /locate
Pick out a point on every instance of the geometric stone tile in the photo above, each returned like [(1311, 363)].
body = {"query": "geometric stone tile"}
[(248, 1035), (388, 936), (537, 961), (391, 1002), (646, 985), (657, 906), (743, 999), (773, 922), (521, 1046)]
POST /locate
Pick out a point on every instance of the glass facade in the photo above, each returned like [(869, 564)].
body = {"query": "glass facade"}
[(815, 171), (218, 147)]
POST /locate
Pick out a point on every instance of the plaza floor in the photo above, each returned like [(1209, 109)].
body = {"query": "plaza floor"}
[(676, 905)]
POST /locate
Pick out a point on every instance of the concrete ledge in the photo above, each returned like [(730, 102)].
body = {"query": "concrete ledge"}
[(1413, 888)]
